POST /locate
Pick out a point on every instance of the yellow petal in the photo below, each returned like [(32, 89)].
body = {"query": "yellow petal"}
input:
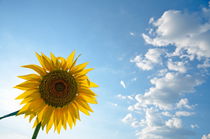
[(74, 62), (63, 118), (26, 94), (31, 117), (28, 85), (47, 115), (83, 72), (41, 113), (53, 60), (63, 63), (79, 68), (59, 127), (72, 113), (88, 99), (36, 123), (70, 121), (31, 77), (47, 62), (82, 109), (84, 104), (56, 118), (39, 57), (23, 109), (86, 91), (70, 59), (76, 111), (50, 123), (92, 84), (36, 68)]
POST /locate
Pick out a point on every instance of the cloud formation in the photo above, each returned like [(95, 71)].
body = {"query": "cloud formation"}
[(151, 58), (167, 90), (178, 39), (187, 31)]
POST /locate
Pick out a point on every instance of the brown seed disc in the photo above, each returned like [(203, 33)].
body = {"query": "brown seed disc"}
[(58, 88)]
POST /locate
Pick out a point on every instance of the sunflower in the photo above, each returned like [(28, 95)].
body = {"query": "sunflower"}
[(57, 92)]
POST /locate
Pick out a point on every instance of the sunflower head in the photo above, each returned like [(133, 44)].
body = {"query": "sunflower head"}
[(56, 93)]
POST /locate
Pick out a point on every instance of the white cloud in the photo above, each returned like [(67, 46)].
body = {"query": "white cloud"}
[(183, 103), (124, 97), (206, 64), (183, 113), (162, 72), (153, 117), (151, 20), (152, 57), (129, 119), (184, 30), (142, 63), (164, 132), (206, 136), (174, 123), (157, 128), (167, 114), (167, 90), (123, 84), (177, 66)]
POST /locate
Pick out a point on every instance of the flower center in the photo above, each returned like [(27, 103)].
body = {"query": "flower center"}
[(58, 88)]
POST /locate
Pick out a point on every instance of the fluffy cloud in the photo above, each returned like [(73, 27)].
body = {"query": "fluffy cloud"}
[(186, 31), (167, 90), (177, 66), (183, 103), (174, 123), (152, 57), (157, 128), (164, 132), (129, 119)]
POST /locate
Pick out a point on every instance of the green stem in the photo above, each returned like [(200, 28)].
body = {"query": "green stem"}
[(8, 115), (36, 131)]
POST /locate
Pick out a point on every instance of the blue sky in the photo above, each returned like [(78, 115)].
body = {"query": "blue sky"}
[(151, 60)]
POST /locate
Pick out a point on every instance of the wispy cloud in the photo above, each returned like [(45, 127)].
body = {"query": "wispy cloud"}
[(120, 96), (123, 84), (132, 33)]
